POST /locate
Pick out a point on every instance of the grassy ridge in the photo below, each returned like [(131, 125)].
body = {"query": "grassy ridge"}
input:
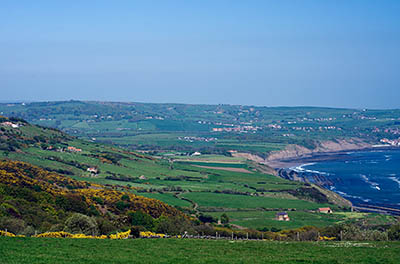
[(34, 250)]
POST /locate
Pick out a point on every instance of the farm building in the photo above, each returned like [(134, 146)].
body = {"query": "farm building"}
[(73, 149), (92, 170), (325, 210), (282, 216)]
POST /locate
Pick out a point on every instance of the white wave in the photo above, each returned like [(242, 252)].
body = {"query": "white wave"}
[(397, 180), (352, 196), (302, 168), (372, 184)]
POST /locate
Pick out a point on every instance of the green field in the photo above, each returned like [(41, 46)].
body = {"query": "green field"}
[(243, 201), (33, 250), (266, 219)]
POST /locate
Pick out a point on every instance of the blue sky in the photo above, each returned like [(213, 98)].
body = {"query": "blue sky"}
[(342, 53)]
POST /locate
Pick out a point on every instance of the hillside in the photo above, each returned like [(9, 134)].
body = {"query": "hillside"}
[(33, 198), (206, 185)]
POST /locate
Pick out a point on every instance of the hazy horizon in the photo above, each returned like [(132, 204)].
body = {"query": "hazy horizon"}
[(340, 54), (140, 102)]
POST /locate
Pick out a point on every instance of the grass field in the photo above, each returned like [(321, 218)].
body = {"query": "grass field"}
[(261, 219), (34, 250), (245, 201)]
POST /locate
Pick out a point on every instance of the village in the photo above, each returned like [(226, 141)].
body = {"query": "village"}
[(391, 142)]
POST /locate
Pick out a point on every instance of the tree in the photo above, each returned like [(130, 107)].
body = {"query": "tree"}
[(81, 224), (173, 225), (13, 225), (207, 218), (140, 218), (224, 218)]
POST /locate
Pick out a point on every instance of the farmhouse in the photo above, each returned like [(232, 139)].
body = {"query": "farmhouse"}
[(92, 170), (73, 149), (325, 210), (282, 216)]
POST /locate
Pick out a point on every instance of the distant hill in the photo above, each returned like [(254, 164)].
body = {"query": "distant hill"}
[(208, 128)]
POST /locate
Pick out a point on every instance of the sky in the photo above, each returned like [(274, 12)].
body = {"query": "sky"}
[(335, 53)]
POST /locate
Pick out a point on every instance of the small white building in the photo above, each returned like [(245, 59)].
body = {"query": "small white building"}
[(10, 124), (92, 170)]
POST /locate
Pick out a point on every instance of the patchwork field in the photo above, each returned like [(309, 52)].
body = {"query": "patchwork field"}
[(34, 250)]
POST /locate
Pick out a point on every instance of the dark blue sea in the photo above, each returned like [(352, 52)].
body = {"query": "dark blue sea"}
[(371, 177)]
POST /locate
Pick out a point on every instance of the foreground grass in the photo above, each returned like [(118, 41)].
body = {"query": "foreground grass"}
[(34, 250)]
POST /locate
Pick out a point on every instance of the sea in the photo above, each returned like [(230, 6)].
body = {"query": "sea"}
[(364, 177)]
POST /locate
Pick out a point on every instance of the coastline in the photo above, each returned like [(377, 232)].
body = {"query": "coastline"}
[(371, 206), (321, 156)]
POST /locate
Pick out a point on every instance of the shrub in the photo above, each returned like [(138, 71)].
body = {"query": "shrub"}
[(394, 232), (105, 226), (135, 231), (29, 231)]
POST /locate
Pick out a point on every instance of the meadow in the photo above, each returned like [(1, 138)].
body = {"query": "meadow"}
[(53, 250)]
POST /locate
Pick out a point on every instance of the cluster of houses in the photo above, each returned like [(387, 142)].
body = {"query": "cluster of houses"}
[(394, 131), (391, 142), (69, 149), (192, 139), (284, 216), (241, 129), (274, 126)]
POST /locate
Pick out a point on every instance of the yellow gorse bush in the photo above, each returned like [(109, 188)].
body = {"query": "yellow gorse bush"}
[(17, 173), (151, 234), (326, 238), (62, 234), (6, 234), (122, 235)]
